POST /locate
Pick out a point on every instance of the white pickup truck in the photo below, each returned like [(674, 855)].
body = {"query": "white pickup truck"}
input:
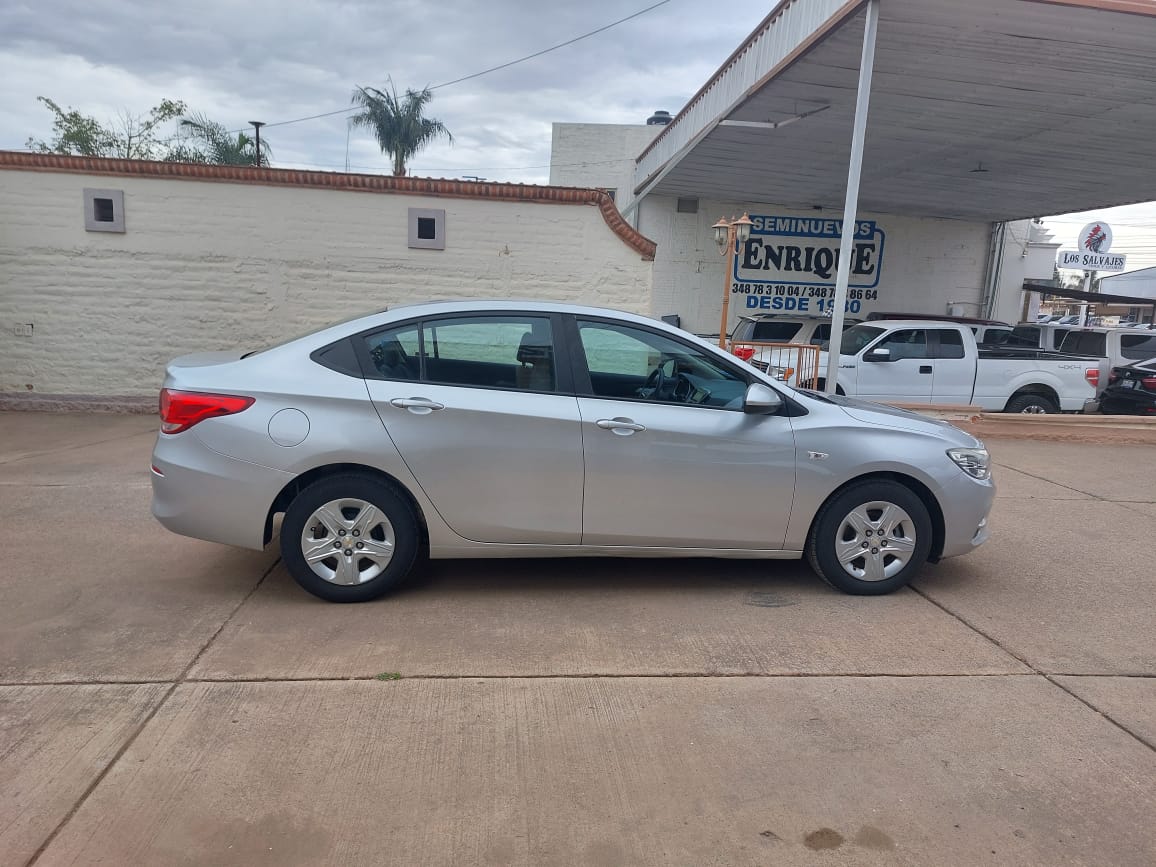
[(922, 362)]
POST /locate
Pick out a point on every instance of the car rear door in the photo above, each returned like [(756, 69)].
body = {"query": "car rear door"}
[(668, 472), (953, 373), (486, 421)]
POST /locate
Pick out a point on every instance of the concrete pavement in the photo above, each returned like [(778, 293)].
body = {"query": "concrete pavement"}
[(167, 701)]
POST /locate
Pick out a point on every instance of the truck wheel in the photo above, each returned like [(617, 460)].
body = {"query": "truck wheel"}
[(1032, 404), (870, 539)]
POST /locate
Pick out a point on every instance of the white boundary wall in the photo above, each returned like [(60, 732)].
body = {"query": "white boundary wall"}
[(208, 265)]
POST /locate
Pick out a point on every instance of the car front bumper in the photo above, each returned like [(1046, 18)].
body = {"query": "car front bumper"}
[(966, 504)]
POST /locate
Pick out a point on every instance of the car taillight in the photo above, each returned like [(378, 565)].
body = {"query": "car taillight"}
[(1113, 376), (180, 410), (1149, 382), (1093, 376), (744, 352)]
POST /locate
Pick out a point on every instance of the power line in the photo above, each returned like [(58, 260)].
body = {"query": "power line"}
[(552, 47), (507, 65)]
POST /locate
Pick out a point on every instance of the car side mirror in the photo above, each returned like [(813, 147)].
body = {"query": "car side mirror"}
[(761, 400), (878, 355)]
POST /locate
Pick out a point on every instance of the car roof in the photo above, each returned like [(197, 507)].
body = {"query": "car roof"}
[(402, 313), (966, 320), (789, 317), (913, 323)]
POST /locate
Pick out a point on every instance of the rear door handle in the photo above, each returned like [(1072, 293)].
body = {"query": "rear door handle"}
[(925, 368), (417, 405), (620, 426)]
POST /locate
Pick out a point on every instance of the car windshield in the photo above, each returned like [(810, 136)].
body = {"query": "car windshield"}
[(856, 338)]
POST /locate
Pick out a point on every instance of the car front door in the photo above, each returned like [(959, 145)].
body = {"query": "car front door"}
[(486, 421), (903, 376), (671, 458)]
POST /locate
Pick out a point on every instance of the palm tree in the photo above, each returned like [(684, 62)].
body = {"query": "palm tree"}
[(397, 123), (216, 145)]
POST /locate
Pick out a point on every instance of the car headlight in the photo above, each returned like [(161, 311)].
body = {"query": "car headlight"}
[(782, 374), (975, 462)]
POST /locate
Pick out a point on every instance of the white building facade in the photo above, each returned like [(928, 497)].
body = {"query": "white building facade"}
[(900, 263)]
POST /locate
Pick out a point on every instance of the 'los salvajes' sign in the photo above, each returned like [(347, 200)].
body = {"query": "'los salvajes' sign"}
[(790, 263), (1094, 242)]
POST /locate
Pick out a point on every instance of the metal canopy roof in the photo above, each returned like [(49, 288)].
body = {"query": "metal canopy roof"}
[(980, 110)]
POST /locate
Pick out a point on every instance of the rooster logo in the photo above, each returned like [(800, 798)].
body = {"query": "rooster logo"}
[(1096, 238)]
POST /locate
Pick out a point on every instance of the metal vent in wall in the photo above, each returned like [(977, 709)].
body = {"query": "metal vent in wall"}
[(688, 206)]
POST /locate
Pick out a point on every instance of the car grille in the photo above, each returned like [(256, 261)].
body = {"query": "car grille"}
[(760, 365)]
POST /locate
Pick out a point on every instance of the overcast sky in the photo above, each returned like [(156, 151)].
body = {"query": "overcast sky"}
[(276, 60)]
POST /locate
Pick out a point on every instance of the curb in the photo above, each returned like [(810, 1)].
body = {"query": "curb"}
[(108, 404)]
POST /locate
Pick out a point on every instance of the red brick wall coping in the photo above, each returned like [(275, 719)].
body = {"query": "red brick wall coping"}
[(498, 192)]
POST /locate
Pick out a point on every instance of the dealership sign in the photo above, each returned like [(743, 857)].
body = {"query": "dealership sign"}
[(1094, 242), (790, 263)]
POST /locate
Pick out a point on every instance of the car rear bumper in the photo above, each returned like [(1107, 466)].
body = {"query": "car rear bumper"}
[(1121, 401), (200, 493)]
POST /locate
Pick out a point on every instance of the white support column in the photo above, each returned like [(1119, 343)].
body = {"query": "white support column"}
[(851, 206)]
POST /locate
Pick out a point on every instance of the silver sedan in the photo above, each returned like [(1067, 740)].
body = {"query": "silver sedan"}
[(518, 429)]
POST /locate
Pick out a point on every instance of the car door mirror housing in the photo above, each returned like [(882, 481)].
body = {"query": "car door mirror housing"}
[(761, 400), (878, 355)]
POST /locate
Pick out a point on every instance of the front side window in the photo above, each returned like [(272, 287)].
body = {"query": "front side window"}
[(909, 343), (857, 338), (636, 364)]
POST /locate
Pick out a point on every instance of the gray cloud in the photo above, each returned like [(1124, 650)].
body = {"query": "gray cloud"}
[(274, 61)]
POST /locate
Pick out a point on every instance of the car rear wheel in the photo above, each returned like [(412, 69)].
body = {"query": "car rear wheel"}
[(870, 539), (349, 538), (1031, 404)]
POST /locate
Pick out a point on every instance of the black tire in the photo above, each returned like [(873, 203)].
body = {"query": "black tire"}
[(1035, 404), (821, 551), (392, 505)]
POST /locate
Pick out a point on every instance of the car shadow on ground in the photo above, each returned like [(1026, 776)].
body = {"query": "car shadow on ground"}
[(766, 582)]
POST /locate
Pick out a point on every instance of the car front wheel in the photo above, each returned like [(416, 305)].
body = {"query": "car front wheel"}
[(870, 539), (349, 538)]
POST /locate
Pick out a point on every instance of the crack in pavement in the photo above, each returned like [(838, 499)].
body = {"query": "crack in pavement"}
[(1122, 503), (1050, 678), (86, 445), (131, 739)]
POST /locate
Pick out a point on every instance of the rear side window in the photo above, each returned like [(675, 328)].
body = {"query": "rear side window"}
[(1029, 335), (1058, 338), (1138, 346), (395, 353), (1085, 343), (775, 332), (515, 352), (506, 352), (822, 334), (950, 343)]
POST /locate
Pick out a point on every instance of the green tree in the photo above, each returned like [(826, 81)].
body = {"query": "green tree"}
[(398, 123), (206, 141), (129, 137)]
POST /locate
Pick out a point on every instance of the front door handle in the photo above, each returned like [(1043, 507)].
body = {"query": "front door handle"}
[(621, 426), (417, 405), (925, 368)]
